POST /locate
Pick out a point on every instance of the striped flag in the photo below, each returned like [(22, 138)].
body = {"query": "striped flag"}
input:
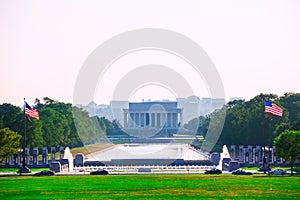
[(31, 112), (273, 109)]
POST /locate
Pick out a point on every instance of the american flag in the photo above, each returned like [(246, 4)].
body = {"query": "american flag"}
[(272, 108), (31, 112)]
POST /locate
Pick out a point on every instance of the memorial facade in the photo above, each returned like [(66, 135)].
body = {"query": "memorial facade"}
[(153, 115)]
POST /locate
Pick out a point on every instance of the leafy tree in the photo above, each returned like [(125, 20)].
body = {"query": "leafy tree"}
[(282, 127), (9, 142), (11, 117), (214, 129), (48, 101), (246, 122), (291, 103), (86, 126), (287, 146), (34, 133), (55, 127)]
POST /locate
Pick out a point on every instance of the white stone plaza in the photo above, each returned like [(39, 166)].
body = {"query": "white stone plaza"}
[(148, 151)]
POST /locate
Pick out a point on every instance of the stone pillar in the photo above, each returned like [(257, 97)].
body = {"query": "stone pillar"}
[(232, 152), (171, 120), (168, 120), (181, 118), (253, 155), (61, 151), (158, 118), (259, 154), (134, 119), (53, 151), (165, 119), (18, 159), (275, 161), (12, 159), (152, 119), (215, 158), (125, 118), (136, 115), (44, 156), (147, 119), (241, 154), (131, 120), (79, 160), (250, 158), (27, 156), (35, 155), (142, 119), (139, 122), (175, 120)]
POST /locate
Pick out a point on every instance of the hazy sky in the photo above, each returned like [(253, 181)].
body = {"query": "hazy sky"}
[(255, 45)]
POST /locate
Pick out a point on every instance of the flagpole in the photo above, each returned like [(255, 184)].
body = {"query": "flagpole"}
[(265, 115), (264, 143), (24, 169), (270, 108), (24, 157)]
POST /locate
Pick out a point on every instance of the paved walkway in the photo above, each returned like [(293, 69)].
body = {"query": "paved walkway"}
[(148, 151)]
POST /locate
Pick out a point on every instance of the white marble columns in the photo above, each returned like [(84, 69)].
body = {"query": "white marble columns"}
[(153, 119)]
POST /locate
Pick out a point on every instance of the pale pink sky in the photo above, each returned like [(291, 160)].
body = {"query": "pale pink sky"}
[(255, 45)]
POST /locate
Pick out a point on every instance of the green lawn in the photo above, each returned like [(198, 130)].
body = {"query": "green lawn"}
[(150, 187), (295, 169), (16, 169)]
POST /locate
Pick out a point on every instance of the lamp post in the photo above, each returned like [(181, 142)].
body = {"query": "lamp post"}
[(20, 150)]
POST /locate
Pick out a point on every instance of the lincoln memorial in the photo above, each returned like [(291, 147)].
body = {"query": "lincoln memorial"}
[(152, 118)]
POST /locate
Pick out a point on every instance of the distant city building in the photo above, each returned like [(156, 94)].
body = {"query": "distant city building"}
[(191, 107), (209, 105), (117, 110)]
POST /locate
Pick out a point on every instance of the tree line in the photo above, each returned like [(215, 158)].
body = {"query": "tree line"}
[(246, 123), (56, 126), (62, 124)]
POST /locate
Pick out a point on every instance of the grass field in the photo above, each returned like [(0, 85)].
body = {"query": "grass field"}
[(150, 187), (16, 169), (295, 169)]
